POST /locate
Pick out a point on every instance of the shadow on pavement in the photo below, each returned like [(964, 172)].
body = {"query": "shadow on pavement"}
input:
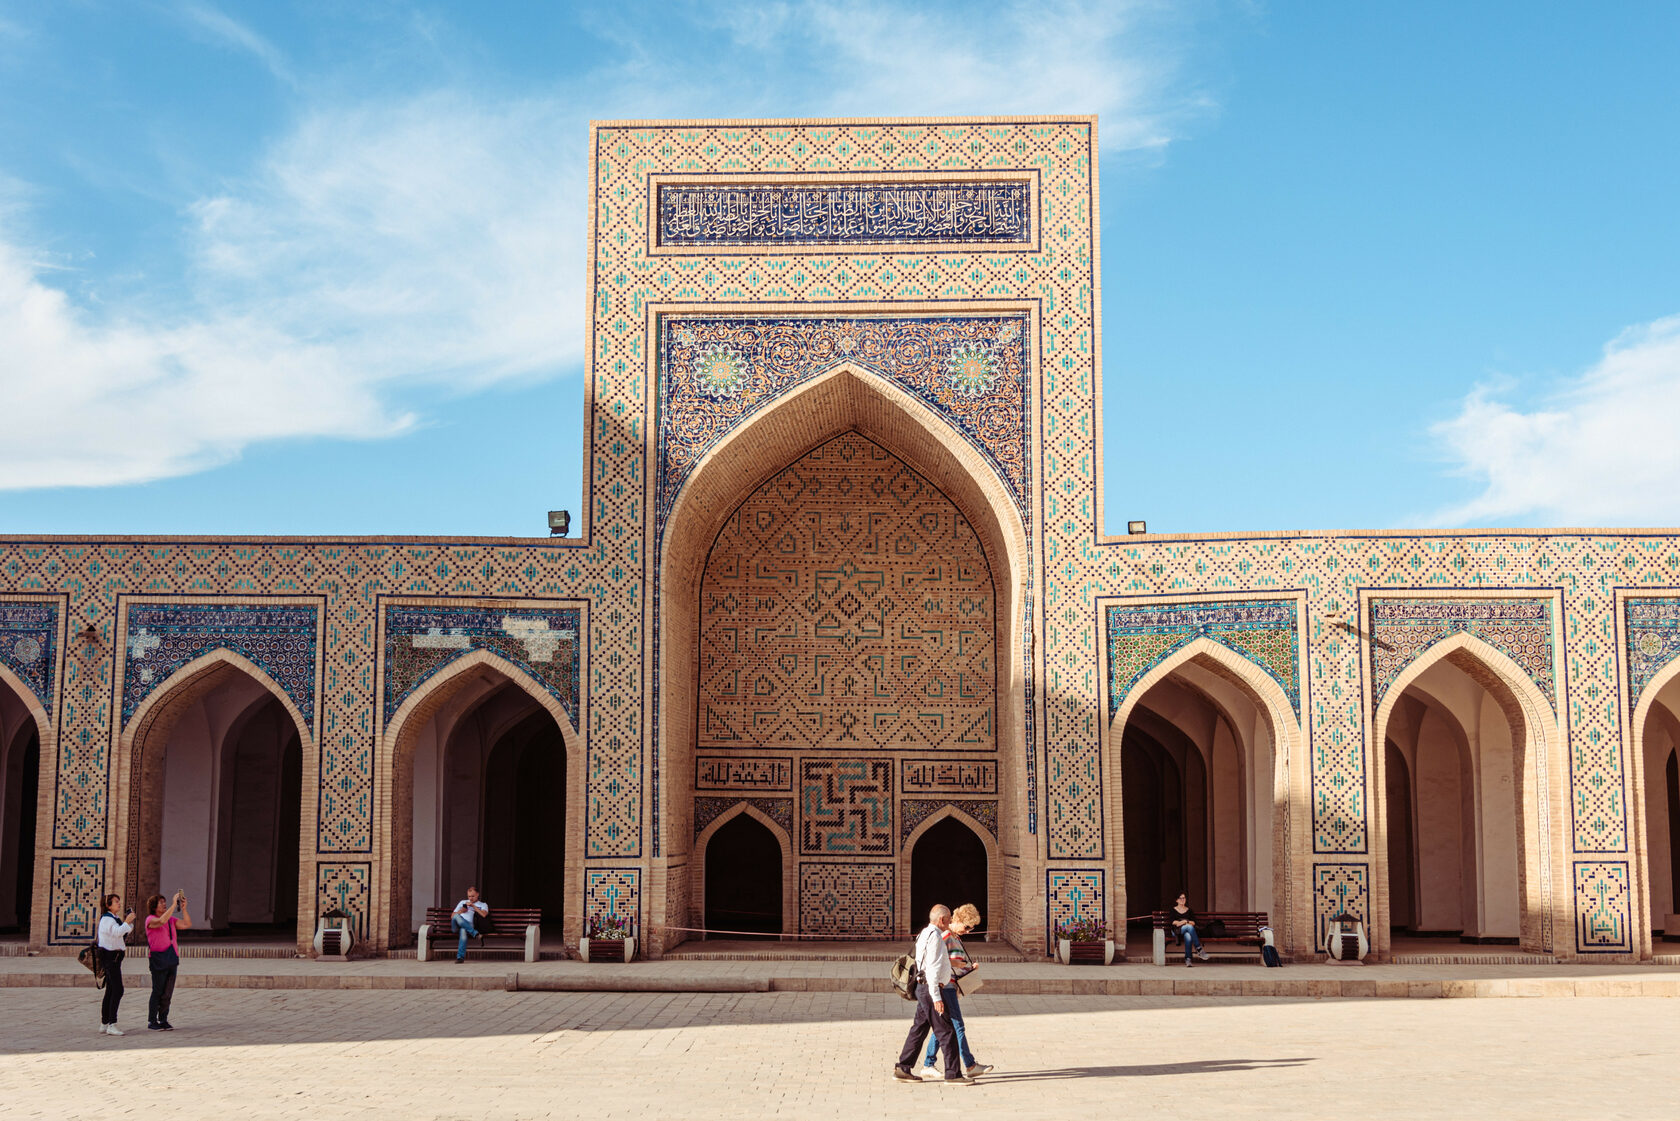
[(1194, 1066)]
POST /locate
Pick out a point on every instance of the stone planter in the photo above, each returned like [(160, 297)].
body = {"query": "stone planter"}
[(1085, 953), (333, 939), (607, 949)]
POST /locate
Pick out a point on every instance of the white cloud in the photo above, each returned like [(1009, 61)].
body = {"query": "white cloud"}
[(1602, 452), (224, 29)]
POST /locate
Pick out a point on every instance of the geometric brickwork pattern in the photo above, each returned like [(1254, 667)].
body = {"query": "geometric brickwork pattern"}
[(1142, 637), (163, 637), (422, 639), (847, 605), (971, 370), (1603, 898), (1653, 640), (846, 806), (1402, 629), (708, 810), (846, 900), (725, 772), (348, 889), (613, 893), (77, 883), (1339, 889), (29, 646), (913, 811), (764, 216), (1072, 895), (949, 776)]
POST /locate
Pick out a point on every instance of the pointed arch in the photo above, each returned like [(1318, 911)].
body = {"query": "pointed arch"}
[(790, 887), (46, 769), (1541, 781), (908, 924), (394, 792), (140, 759), (26, 697), (1644, 707), (846, 398), (1291, 815)]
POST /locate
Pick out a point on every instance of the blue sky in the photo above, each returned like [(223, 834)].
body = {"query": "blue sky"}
[(314, 268)]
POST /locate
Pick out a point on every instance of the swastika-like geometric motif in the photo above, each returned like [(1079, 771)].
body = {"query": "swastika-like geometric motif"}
[(163, 637), (1603, 907), (613, 893), (846, 900), (1402, 629), (1142, 636), (77, 883), (1653, 640), (29, 647), (767, 215), (847, 604), (347, 888), (725, 772), (913, 811), (1072, 894), (421, 639), (846, 806), (715, 372), (708, 810), (1339, 889), (949, 776)]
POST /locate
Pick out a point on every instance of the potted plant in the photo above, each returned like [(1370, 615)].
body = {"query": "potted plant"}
[(1084, 942), (612, 938)]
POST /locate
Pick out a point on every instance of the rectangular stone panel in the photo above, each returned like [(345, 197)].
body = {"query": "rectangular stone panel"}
[(949, 776), (720, 772)]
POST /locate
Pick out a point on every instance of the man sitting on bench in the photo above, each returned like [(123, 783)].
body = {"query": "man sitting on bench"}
[(465, 919)]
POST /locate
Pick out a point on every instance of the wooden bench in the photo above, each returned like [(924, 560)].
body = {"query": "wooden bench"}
[(1245, 928), (520, 926)]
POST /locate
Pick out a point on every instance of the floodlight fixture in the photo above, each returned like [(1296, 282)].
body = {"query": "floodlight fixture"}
[(1137, 527), (559, 521)]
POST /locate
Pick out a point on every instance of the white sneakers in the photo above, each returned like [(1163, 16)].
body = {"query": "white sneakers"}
[(110, 1029), (978, 1069)]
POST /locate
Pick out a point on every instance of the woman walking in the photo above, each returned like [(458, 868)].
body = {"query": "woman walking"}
[(963, 920), (112, 931), (1183, 921), (163, 955)]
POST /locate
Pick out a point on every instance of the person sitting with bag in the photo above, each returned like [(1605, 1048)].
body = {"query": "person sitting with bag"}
[(163, 955)]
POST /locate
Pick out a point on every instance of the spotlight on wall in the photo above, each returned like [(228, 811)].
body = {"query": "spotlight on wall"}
[(1137, 527), (559, 521)]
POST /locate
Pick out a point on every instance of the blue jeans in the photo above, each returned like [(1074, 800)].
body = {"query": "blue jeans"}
[(464, 930), (1192, 941), (953, 1011)]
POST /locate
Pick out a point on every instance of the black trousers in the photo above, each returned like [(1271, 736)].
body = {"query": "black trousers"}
[(163, 991), (113, 960), (927, 1018)]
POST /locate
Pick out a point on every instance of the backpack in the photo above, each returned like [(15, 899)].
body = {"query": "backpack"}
[(90, 958), (905, 976), (1269, 955)]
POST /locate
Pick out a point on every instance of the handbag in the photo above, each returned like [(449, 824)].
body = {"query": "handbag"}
[(163, 959), (95, 964)]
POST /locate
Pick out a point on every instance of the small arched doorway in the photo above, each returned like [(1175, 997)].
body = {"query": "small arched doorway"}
[(744, 879), (20, 769), (1661, 748), (524, 826), (947, 865), (1402, 850)]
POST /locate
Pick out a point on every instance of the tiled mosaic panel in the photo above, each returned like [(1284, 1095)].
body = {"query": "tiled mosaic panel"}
[(1653, 640), (163, 637), (29, 647), (347, 888), (1339, 889), (949, 776), (762, 215), (724, 772), (421, 639), (847, 604), (1072, 894), (847, 900), (715, 373), (1603, 907), (913, 811), (846, 806), (77, 883), (612, 892), (1142, 636), (708, 810), (1403, 629)]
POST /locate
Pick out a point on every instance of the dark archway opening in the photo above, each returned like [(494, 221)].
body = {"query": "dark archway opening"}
[(256, 872), (524, 826), (1163, 857), (1673, 780), (1402, 854), (948, 865), (744, 879), (21, 784)]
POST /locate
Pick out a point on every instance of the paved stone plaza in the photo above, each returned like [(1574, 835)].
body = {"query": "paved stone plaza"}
[(505, 1055)]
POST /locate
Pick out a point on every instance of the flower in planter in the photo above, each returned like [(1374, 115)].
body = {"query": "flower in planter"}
[(609, 928), (1083, 930)]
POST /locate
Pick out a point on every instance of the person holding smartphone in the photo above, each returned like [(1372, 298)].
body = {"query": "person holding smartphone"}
[(163, 955), (465, 920), (112, 950)]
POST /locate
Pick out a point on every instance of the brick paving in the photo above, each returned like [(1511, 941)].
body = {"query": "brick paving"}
[(457, 1055)]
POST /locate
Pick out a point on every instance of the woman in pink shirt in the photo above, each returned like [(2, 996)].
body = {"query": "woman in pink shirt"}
[(163, 955)]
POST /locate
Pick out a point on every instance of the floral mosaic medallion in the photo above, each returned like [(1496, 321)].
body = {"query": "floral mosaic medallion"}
[(718, 373), (971, 370)]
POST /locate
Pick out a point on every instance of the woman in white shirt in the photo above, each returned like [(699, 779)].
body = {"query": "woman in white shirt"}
[(112, 931)]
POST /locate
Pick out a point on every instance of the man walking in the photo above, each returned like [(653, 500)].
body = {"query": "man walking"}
[(933, 965)]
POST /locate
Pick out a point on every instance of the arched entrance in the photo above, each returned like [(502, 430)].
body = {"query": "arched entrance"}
[(486, 791), (1659, 736), (20, 770), (948, 865), (1466, 736), (215, 804), (744, 878)]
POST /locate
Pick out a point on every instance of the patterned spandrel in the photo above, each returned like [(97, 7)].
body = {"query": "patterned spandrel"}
[(163, 637), (770, 215), (421, 639), (1403, 629), (1653, 640), (29, 647), (709, 809), (1142, 636)]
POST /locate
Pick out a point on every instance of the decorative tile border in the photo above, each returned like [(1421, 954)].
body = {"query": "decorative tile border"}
[(1653, 639), (708, 810), (913, 811), (1142, 636), (725, 772), (421, 639), (29, 647), (948, 776), (1603, 907), (160, 638), (1403, 629)]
